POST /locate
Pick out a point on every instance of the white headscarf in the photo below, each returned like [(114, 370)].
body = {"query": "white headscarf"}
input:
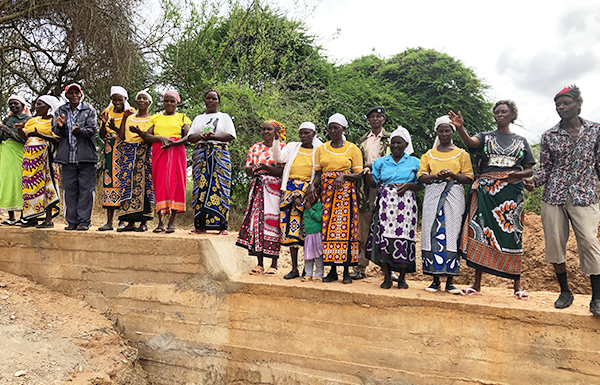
[(438, 122), (316, 142), (51, 101), (403, 133), (118, 90), (145, 92), (339, 119)]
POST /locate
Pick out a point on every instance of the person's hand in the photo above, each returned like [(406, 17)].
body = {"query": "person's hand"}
[(165, 142), (60, 120), (529, 184), (104, 117), (4, 128), (278, 135), (365, 171), (258, 167), (443, 174), (33, 133), (339, 182), (509, 174), (208, 136), (112, 125), (297, 201), (401, 188), (127, 113), (76, 130), (135, 129), (457, 120)]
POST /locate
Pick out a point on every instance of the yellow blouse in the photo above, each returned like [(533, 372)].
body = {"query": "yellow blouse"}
[(458, 161), (302, 167), (347, 158), (117, 116), (141, 123), (168, 126), (44, 126)]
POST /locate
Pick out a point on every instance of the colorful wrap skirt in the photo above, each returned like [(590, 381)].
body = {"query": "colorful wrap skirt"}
[(11, 175), (111, 189), (260, 233), (340, 221), (393, 230), (493, 230), (290, 217), (137, 192), (169, 177), (40, 179), (212, 185), (443, 209)]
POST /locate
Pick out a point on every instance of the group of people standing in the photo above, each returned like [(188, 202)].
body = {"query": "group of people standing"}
[(144, 166), (349, 204)]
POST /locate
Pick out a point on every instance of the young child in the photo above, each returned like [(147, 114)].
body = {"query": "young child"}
[(313, 243)]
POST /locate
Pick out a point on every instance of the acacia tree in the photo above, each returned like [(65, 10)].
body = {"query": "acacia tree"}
[(45, 44)]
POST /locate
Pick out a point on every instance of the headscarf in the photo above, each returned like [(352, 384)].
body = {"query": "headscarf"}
[(404, 134), (21, 100), (572, 91), (316, 142), (118, 90), (174, 93), (438, 122), (145, 92), (339, 119), (51, 101), (64, 94), (276, 124)]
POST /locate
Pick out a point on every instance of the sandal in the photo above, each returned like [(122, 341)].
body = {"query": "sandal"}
[(271, 271), (125, 229), (258, 270), (469, 291), (9, 222), (45, 225), (170, 230), (224, 232), (105, 227), (141, 229), (521, 295), (197, 231), (159, 229)]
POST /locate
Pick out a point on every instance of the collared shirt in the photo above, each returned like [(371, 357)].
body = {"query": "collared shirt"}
[(10, 122), (568, 167), (372, 147), (71, 120), (387, 171)]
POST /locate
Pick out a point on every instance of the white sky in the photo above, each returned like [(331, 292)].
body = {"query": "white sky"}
[(524, 50)]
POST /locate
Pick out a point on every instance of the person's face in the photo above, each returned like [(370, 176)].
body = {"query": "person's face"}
[(211, 101), (170, 103), (41, 108), (306, 136), (376, 120), (444, 133), (268, 132), (567, 107), (503, 115), (397, 146), (335, 131), (142, 102), (118, 101), (74, 96), (15, 106)]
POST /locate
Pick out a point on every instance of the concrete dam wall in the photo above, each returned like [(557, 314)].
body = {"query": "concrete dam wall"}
[(196, 316)]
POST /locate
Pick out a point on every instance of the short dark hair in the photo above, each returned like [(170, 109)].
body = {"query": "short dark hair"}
[(512, 106)]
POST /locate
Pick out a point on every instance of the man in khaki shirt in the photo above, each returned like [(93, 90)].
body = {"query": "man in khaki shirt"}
[(374, 144)]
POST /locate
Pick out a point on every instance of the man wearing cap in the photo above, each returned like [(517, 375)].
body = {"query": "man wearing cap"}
[(374, 144), (75, 123), (569, 156)]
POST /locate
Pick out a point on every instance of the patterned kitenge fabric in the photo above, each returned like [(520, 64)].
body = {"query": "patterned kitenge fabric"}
[(492, 235), (340, 221), (392, 236), (137, 192), (113, 151), (260, 233), (443, 209), (40, 179), (291, 215), (212, 184)]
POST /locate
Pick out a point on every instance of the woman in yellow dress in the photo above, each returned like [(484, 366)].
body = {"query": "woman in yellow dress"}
[(137, 192), (111, 119), (444, 169), (40, 173), (168, 135)]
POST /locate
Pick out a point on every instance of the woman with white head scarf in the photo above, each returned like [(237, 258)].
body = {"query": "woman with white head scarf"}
[(392, 236), (40, 173), (112, 118), (443, 169), (338, 164), (136, 190), (11, 158), (298, 173)]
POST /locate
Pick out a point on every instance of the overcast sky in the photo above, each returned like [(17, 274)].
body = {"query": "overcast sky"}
[(524, 50)]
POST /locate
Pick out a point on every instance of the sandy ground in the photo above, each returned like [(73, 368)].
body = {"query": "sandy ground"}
[(48, 338)]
